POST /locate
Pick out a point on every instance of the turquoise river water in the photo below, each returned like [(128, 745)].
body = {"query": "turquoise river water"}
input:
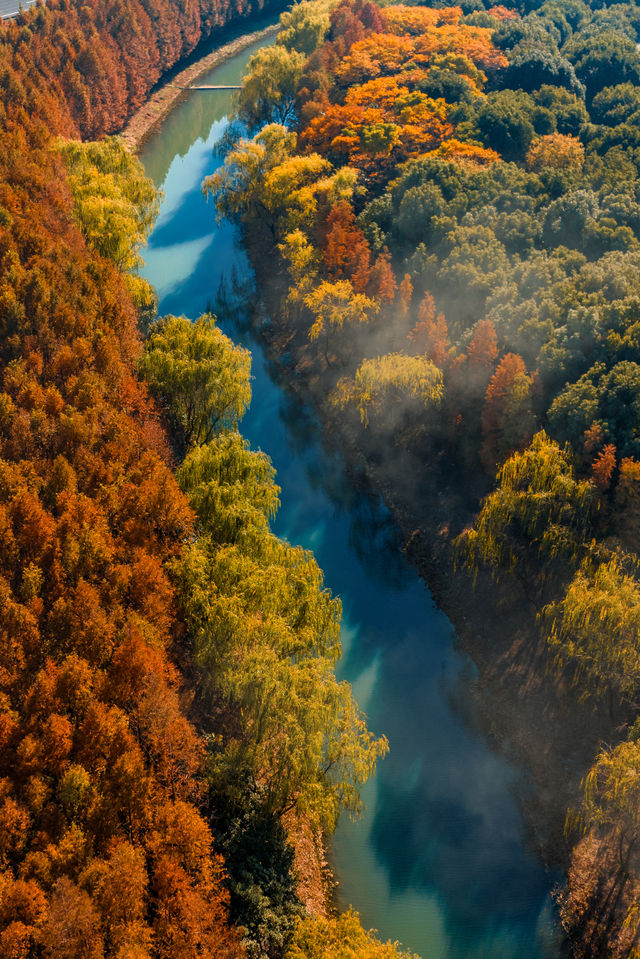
[(440, 860)]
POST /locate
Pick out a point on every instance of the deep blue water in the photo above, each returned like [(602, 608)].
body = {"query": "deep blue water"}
[(440, 861)]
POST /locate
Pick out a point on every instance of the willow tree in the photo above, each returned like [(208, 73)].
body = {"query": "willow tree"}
[(263, 183), (594, 631), (270, 85), (199, 375), (538, 514), (600, 904), (231, 488), (265, 638), (238, 185), (262, 629), (334, 307), (114, 203), (303, 263), (304, 25), (340, 937), (394, 384), (612, 796)]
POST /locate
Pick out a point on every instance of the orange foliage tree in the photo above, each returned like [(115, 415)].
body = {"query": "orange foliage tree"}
[(603, 467), (84, 69), (346, 251), (103, 849), (507, 418), (430, 334)]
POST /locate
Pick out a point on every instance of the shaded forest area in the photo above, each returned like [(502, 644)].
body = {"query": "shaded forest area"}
[(167, 692), (454, 195)]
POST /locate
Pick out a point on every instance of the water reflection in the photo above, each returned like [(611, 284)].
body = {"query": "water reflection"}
[(196, 114), (440, 861)]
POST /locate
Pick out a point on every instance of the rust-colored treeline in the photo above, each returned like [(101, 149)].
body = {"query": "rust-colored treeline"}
[(103, 851), (84, 68), (362, 94)]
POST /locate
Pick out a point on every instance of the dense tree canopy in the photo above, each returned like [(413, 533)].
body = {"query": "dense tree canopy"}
[(487, 229), (84, 69), (133, 752), (104, 849), (454, 198), (264, 633)]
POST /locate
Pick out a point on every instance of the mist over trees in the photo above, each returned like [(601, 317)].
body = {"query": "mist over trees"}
[(452, 195), (458, 221), (167, 684)]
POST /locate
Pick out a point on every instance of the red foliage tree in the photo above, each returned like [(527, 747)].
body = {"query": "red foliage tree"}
[(382, 280), (95, 743)]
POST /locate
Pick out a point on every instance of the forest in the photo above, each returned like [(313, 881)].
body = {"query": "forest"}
[(168, 700), (454, 196)]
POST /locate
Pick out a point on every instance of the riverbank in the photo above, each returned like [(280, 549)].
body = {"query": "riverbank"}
[(381, 643), (529, 714), (162, 101)]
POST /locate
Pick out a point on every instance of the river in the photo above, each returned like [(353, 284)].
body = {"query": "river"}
[(441, 859)]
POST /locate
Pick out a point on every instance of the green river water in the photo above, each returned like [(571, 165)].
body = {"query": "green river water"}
[(440, 860)]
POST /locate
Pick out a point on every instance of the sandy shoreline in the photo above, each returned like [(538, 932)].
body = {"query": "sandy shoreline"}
[(160, 103)]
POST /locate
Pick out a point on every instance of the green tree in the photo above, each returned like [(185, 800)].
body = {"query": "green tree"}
[(569, 111), (505, 123), (532, 64), (304, 26), (603, 58), (269, 88), (199, 375), (265, 641), (231, 488), (539, 514), (259, 862), (115, 203), (616, 104), (475, 264), (594, 631), (612, 397)]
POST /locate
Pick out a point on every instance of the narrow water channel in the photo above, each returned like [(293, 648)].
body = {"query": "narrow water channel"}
[(440, 861)]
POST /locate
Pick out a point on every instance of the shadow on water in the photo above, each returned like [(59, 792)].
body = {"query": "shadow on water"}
[(440, 861)]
